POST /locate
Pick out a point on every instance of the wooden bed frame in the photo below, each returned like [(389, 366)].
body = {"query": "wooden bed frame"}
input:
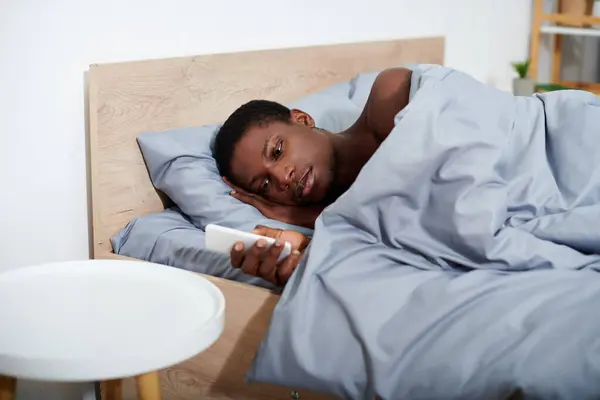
[(126, 99)]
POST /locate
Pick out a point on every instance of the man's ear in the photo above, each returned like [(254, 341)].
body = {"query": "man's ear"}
[(302, 118)]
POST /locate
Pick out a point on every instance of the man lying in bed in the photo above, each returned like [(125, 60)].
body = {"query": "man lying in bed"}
[(278, 161)]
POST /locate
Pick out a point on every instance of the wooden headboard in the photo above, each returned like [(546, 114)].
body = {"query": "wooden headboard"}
[(126, 99)]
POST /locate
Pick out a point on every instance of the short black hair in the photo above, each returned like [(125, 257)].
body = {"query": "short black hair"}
[(251, 114)]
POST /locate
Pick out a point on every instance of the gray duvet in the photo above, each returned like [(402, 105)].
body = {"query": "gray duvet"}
[(462, 262)]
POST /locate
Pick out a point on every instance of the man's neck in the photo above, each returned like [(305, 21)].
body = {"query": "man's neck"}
[(353, 149)]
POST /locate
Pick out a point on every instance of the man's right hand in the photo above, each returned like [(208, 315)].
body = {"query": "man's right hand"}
[(261, 261), (304, 216)]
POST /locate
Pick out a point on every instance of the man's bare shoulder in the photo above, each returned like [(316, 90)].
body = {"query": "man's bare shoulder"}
[(389, 95)]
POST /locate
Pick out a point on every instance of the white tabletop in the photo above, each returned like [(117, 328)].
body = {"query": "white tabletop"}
[(102, 319)]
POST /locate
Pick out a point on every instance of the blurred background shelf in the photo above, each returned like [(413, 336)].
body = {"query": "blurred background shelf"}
[(549, 87), (571, 18), (563, 30)]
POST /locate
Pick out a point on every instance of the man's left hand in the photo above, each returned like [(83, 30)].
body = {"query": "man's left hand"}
[(261, 260)]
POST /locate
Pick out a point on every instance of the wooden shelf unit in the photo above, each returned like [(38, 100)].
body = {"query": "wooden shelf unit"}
[(582, 23)]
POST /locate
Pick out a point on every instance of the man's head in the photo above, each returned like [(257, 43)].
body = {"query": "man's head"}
[(278, 153)]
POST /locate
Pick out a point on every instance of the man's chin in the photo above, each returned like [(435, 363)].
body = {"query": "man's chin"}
[(331, 195)]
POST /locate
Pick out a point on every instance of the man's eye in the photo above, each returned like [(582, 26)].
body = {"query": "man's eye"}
[(264, 186), (277, 150)]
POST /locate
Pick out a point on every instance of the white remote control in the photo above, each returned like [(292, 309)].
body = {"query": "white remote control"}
[(221, 240)]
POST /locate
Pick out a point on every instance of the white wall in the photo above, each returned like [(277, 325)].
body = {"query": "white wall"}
[(46, 46)]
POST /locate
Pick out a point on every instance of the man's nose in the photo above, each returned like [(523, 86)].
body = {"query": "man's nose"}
[(285, 176)]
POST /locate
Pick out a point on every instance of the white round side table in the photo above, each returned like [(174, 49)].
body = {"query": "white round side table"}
[(103, 320)]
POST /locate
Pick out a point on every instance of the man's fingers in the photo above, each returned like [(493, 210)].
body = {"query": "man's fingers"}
[(262, 261), (268, 266), (266, 231), (287, 267), (237, 255), (244, 197), (253, 257), (236, 190), (233, 186), (260, 230)]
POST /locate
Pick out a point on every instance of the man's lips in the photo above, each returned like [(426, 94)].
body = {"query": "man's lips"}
[(305, 184), (310, 180)]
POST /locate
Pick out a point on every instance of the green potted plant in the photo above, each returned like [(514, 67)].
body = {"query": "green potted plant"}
[(522, 85)]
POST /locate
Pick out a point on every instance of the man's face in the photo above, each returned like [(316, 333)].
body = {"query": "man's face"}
[(286, 163)]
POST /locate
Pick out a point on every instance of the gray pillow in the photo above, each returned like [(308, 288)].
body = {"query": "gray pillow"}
[(181, 164), (168, 237)]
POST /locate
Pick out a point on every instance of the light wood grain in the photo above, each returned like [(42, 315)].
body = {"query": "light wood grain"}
[(112, 389), (148, 386), (571, 20), (8, 387), (129, 98), (557, 58), (534, 46), (575, 11)]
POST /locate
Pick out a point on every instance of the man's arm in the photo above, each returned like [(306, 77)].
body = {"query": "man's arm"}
[(388, 96)]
